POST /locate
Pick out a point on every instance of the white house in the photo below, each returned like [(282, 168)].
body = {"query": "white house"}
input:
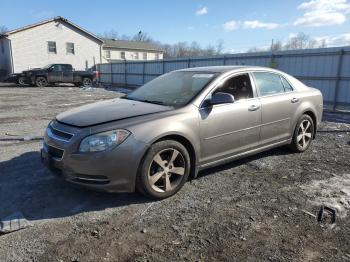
[(120, 50), (55, 40), (58, 40)]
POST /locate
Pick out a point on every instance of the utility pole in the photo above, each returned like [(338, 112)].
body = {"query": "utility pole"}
[(272, 45)]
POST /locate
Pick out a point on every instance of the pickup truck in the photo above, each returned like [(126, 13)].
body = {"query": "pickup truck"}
[(52, 74)]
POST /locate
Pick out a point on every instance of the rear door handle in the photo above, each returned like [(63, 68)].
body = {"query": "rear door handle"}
[(253, 108), (294, 100)]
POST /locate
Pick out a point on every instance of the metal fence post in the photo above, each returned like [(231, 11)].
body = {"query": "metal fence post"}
[(224, 60), (125, 76), (337, 82), (189, 63), (143, 72), (163, 67), (111, 73)]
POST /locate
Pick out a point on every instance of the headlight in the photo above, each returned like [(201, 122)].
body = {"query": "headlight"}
[(103, 141)]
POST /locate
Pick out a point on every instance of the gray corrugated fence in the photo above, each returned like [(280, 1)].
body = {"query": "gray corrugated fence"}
[(327, 69)]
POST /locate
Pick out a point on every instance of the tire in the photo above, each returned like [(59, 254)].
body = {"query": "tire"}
[(41, 81), (87, 82), (303, 134), (164, 170), (22, 81)]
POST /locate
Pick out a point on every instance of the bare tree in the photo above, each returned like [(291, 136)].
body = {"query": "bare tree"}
[(111, 34), (220, 46), (3, 29), (142, 37), (276, 46)]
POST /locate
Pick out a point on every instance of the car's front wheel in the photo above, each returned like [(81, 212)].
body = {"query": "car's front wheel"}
[(164, 170), (22, 81), (303, 134)]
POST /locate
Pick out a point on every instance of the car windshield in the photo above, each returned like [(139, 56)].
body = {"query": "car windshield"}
[(173, 89), (47, 66)]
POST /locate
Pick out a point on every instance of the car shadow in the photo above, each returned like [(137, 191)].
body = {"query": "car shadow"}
[(236, 163), (27, 186)]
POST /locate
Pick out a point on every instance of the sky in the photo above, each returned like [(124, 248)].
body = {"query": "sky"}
[(240, 24)]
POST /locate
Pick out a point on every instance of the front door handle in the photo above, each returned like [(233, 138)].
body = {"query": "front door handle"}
[(253, 108), (294, 100)]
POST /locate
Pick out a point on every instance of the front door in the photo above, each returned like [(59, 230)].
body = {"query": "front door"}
[(55, 74), (231, 129)]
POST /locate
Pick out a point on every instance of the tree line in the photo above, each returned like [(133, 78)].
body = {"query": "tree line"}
[(180, 49), (299, 41)]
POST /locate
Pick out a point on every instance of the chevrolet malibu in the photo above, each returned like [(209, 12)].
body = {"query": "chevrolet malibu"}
[(160, 135)]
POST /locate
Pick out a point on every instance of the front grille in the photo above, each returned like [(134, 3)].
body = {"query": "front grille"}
[(55, 152), (60, 134)]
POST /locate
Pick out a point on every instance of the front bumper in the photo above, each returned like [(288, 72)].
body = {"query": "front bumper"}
[(14, 78), (111, 170)]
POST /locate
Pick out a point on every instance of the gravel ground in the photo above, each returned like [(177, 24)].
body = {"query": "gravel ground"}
[(256, 209)]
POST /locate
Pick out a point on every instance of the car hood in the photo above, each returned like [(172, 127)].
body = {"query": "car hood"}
[(107, 111), (32, 70)]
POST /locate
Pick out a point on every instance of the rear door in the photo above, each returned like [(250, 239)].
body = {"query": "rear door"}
[(278, 105), (230, 129), (55, 74), (67, 74)]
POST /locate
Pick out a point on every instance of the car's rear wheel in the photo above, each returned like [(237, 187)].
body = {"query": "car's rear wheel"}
[(164, 170), (303, 134), (87, 82), (41, 81)]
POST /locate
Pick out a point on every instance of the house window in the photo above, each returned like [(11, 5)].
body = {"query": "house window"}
[(157, 56), (70, 48), (51, 47), (144, 56), (108, 54), (136, 55), (122, 55)]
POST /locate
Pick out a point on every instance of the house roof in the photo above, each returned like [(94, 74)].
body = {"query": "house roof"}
[(55, 19), (135, 45)]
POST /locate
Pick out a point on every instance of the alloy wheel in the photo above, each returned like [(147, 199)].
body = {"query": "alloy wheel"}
[(87, 82), (21, 81), (304, 134), (41, 82), (166, 170)]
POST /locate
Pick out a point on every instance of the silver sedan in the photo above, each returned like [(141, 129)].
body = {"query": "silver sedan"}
[(164, 132)]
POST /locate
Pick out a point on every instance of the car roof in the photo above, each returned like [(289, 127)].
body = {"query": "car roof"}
[(224, 69)]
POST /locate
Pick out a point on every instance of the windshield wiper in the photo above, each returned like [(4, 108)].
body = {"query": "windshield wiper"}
[(145, 101), (153, 102)]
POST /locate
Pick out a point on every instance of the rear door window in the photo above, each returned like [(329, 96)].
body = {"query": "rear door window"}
[(268, 83)]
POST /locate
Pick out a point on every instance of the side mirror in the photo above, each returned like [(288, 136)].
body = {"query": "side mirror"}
[(221, 98)]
